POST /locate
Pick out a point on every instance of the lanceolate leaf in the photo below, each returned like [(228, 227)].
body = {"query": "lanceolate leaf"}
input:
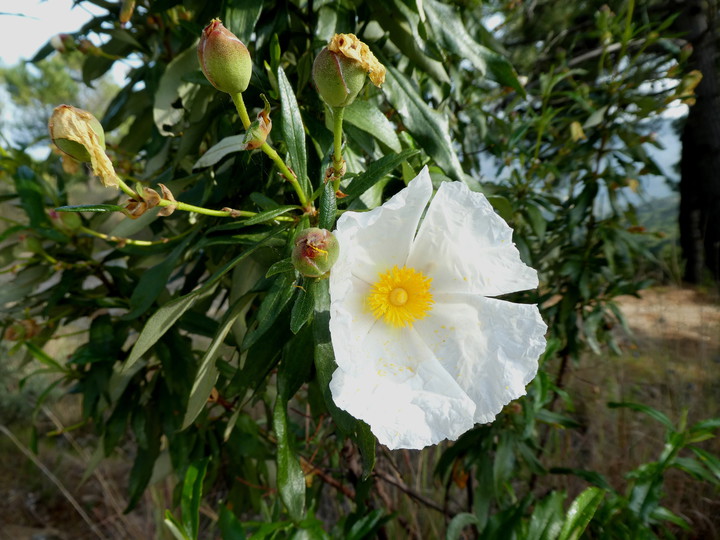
[(375, 172), (304, 305), (580, 513), (452, 31), (291, 480), (207, 373), (174, 91), (90, 208), (425, 124), (218, 151), (293, 131), (366, 116), (164, 318)]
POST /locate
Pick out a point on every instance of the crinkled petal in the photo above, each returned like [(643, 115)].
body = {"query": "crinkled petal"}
[(350, 318), (394, 383), (464, 246), (377, 240), (489, 347)]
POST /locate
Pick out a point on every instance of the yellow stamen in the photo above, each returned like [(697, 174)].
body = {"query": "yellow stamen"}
[(317, 249), (401, 296)]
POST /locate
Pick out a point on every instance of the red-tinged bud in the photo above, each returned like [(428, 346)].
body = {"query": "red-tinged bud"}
[(87, 47), (63, 43), (316, 250), (224, 59)]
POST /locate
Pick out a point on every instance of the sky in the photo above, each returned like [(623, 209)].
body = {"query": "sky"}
[(26, 25)]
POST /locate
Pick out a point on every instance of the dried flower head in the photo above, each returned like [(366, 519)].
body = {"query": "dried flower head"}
[(79, 134)]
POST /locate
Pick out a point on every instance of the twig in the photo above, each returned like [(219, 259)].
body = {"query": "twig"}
[(54, 480), (404, 488), (310, 468)]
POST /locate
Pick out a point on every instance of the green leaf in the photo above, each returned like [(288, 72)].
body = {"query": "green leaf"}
[(427, 126), (29, 188), (367, 443), (581, 512), (216, 152), (165, 317), (367, 526), (44, 358), (458, 523), (192, 497), (230, 526), (241, 16), (550, 417), (367, 116), (663, 514), (175, 527), (328, 207), (290, 477), (154, 280), (653, 413), (90, 208), (293, 131), (711, 461), (269, 215), (207, 373), (173, 90), (304, 305), (547, 518), (375, 172), (279, 295), (453, 34), (280, 267)]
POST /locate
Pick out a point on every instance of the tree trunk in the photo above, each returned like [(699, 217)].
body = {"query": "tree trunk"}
[(700, 162)]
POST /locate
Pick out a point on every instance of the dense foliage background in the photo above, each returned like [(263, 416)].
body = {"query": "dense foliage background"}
[(204, 359)]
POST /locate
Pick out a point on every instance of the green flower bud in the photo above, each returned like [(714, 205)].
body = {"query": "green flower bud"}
[(316, 250), (224, 59), (338, 79)]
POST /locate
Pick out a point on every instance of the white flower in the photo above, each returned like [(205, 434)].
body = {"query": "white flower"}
[(422, 353)]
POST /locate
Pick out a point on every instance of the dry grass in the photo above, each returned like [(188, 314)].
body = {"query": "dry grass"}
[(671, 363)]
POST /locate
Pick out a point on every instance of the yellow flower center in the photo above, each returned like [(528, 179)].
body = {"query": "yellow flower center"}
[(401, 296)]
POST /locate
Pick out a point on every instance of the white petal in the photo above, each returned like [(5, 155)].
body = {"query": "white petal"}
[(395, 385), (490, 347), (464, 246), (377, 240), (350, 318)]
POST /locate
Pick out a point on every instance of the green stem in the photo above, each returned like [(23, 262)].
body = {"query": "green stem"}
[(269, 150), (338, 113), (184, 206), (284, 169), (242, 111), (118, 239)]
